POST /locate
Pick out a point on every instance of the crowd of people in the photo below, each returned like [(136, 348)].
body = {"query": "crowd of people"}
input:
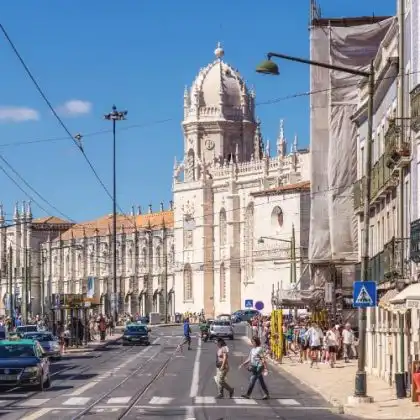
[(309, 341)]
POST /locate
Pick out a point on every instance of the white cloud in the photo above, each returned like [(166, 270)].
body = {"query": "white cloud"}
[(75, 107), (18, 114)]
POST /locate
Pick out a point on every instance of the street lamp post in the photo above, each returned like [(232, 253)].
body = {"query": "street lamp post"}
[(114, 116), (271, 68)]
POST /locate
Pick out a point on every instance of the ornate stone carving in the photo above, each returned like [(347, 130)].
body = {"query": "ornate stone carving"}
[(209, 143), (188, 209)]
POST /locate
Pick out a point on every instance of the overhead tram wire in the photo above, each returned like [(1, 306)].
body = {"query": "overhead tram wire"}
[(141, 125)]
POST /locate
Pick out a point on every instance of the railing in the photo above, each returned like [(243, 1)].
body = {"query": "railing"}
[(395, 152)]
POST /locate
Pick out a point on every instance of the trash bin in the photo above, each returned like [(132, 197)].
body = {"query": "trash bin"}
[(400, 385), (178, 318)]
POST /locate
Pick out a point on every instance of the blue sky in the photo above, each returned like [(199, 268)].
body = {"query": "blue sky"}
[(138, 55)]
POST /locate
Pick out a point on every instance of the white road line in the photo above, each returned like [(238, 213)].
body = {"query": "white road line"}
[(205, 400), (34, 402), (119, 400), (288, 401), (244, 401), (76, 401), (37, 414), (259, 407), (196, 371), (83, 388), (160, 400)]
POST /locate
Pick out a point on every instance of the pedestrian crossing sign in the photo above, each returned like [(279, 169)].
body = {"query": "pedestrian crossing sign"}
[(364, 294)]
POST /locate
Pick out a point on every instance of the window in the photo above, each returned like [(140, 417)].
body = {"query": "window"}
[(92, 263), (362, 161), (130, 260), (222, 283), (190, 166), (188, 286), (158, 257), (277, 217), (222, 227), (144, 257)]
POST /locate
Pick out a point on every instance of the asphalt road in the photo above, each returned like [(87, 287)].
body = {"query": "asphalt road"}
[(156, 382)]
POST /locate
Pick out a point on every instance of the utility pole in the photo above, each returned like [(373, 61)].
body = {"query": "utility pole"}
[(293, 252), (114, 116), (400, 375), (10, 283), (42, 283), (25, 286)]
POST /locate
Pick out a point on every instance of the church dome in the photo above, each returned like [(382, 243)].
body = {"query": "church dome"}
[(218, 91)]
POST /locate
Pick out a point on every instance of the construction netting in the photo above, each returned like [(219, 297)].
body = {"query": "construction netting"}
[(333, 143)]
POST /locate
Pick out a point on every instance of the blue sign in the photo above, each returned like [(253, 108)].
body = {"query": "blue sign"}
[(259, 306), (365, 294), (249, 303)]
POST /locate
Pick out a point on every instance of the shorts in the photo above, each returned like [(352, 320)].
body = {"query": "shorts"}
[(332, 349), (315, 348)]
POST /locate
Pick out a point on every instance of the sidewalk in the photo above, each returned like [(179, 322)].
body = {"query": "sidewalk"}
[(94, 345), (337, 384)]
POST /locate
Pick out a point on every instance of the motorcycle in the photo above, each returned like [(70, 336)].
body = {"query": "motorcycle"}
[(205, 336)]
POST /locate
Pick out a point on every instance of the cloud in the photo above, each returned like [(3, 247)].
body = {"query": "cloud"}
[(18, 114), (75, 107)]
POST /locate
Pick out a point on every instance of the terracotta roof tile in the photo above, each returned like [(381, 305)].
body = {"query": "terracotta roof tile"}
[(103, 225), (297, 187), (52, 220)]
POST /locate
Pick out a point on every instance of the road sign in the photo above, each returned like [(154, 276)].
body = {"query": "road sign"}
[(364, 294), (259, 306), (249, 303)]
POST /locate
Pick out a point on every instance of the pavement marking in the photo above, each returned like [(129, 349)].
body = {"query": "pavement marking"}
[(4, 402), (82, 389), (288, 401), (189, 414), (238, 354), (160, 400), (148, 408), (196, 371), (119, 400), (7, 395), (205, 400), (37, 414), (244, 401), (76, 401), (34, 402)]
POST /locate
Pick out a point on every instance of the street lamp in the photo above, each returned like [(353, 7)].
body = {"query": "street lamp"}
[(271, 68), (114, 116)]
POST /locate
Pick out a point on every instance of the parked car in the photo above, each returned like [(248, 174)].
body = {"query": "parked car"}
[(136, 334), (220, 328), (24, 363), (23, 329), (244, 315), (48, 342)]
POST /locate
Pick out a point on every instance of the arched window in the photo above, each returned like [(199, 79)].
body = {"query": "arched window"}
[(55, 265), (222, 283), (172, 255), (188, 286), (144, 257), (277, 217), (79, 265), (249, 242), (92, 263), (104, 263), (222, 227), (67, 265), (130, 260), (158, 257), (190, 166)]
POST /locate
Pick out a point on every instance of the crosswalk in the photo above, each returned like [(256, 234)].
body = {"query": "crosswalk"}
[(121, 401)]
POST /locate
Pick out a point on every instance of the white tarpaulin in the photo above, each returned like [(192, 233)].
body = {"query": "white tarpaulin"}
[(333, 227)]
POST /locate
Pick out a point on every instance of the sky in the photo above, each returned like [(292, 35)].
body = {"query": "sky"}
[(138, 55)]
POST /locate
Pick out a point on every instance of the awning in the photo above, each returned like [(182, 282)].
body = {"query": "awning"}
[(384, 302), (412, 292)]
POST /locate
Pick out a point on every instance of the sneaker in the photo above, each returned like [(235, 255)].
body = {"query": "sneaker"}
[(219, 397), (266, 397), (231, 393), (246, 396)]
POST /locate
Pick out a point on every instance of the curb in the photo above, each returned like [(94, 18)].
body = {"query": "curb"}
[(98, 347)]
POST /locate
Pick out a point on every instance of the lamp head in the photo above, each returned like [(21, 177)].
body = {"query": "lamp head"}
[(268, 67)]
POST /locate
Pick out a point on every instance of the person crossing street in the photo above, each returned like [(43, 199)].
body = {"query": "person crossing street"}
[(187, 335), (222, 366)]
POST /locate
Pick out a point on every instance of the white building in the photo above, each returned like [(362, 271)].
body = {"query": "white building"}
[(229, 192)]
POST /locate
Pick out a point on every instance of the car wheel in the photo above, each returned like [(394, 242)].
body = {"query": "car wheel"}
[(231, 337)]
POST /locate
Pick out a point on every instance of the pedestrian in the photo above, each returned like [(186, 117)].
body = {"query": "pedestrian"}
[(348, 342), (332, 346), (222, 365), (257, 366), (187, 335), (315, 338)]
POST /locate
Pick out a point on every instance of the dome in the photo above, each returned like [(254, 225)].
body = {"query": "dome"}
[(218, 87)]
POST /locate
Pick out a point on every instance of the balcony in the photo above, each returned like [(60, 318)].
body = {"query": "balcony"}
[(397, 155), (415, 108), (392, 259), (382, 181)]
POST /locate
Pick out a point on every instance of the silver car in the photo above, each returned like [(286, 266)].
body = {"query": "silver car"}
[(48, 342), (221, 328)]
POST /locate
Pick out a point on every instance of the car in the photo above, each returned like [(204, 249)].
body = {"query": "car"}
[(23, 329), (143, 320), (221, 328), (136, 334), (245, 315), (48, 342), (23, 363)]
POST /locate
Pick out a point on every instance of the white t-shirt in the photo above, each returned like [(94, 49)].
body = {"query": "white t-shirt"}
[(256, 356), (331, 339), (348, 337), (315, 336)]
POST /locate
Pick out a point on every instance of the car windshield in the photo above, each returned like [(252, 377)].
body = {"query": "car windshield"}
[(136, 328), (222, 323), (27, 328), (10, 351), (40, 337)]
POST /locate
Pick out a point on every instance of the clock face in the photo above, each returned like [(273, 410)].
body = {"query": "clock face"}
[(209, 143)]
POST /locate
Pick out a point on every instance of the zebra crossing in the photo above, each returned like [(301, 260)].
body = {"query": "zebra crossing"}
[(78, 401)]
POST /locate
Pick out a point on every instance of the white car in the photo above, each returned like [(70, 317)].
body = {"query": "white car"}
[(221, 328)]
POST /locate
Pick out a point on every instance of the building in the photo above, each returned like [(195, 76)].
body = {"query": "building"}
[(228, 193), (21, 260)]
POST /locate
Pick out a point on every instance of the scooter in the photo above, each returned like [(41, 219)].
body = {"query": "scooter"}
[(205, 336)]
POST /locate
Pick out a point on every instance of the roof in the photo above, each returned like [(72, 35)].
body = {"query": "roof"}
[(51, 220), (128, 223), (289, 188), (21, 341)]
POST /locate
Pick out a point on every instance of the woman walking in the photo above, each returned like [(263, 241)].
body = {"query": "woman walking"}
[(222, 366), (257, 366)]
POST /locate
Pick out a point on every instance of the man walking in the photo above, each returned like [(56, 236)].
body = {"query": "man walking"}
[(187, 335)]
